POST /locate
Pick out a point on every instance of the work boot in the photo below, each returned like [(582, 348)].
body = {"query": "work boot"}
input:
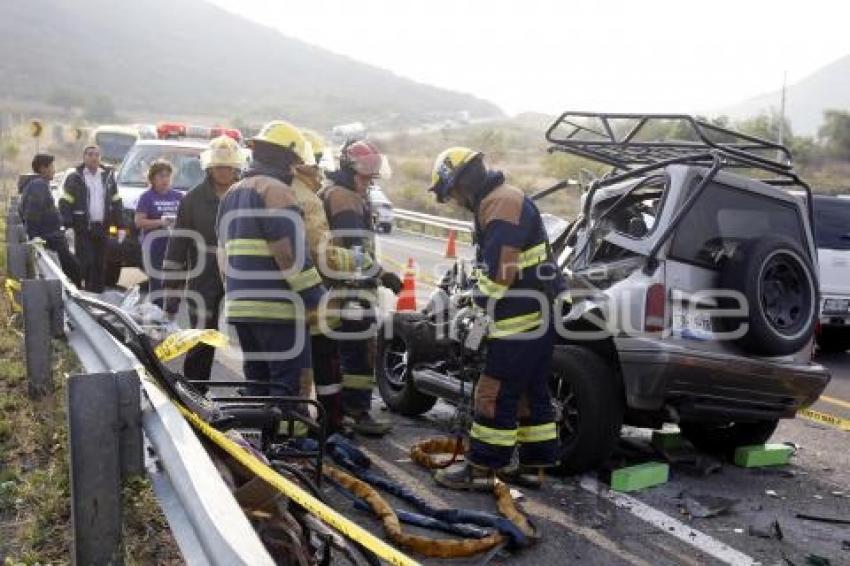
[(363, 423), (466, 477), (523, 476)]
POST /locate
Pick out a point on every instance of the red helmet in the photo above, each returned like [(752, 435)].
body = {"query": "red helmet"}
[(365, 159)]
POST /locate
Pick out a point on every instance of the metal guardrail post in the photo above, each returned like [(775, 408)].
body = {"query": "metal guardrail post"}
[(42, 303), (104, 428)]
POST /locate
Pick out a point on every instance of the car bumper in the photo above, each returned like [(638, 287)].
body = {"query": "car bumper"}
[(704, 384)]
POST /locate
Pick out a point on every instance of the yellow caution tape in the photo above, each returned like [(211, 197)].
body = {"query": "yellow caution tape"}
[(825, 418), (181, 342), (348, 528), (13, 286)]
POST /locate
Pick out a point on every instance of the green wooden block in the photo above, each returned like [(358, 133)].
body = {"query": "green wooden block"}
[(640, 476), (664, 440), (763, 455)]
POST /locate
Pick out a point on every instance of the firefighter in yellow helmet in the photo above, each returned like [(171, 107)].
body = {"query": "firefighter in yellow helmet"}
[(515, 288), (271, 283), (222, 161)]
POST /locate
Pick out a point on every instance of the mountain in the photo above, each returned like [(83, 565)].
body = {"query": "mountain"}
[(826, 89), (170, 58)]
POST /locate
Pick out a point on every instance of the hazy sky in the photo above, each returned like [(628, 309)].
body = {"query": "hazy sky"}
[(548, 55)]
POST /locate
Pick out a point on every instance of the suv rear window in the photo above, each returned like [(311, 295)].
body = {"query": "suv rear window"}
[(832, 223), (724, 217)]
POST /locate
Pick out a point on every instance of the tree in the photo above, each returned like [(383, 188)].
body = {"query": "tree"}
[(835, 132), (766, 125)]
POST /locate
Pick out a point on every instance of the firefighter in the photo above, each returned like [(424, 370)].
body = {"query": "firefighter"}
[(516, 285), (271, 284), (350, 218), (306, 183), (222, 162)]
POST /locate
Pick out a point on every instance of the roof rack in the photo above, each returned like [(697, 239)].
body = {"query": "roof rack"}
[(629, 141)]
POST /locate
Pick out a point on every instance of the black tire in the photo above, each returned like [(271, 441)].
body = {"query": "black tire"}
[(112, 274), (392, 372), (590, 399), (777, 278), (834, 340), (387, 228), (723, 439)]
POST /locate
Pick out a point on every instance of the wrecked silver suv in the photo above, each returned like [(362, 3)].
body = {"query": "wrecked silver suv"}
[(692, 269)]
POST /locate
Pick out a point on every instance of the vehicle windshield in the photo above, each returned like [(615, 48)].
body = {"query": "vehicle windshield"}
[(114, 146), (185, 161), (832, 223)]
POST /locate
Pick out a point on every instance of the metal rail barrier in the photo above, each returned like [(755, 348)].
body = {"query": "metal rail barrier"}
[(427, 220), (121, 424)]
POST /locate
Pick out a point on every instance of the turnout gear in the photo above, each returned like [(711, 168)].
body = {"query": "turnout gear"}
[(517, 281), (270, 280), (286, 136), (364, 158), (222, 152), (448, 167), (317, 142)]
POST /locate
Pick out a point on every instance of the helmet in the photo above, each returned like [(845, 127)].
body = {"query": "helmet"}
[(285, 135), (316, 141), (222, 152), (365, 159), (447, 167)]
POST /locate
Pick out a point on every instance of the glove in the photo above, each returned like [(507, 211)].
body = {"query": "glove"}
[(391, 281)]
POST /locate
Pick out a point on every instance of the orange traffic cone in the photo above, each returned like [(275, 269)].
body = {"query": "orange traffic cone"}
[(407, 295), (451, 246)]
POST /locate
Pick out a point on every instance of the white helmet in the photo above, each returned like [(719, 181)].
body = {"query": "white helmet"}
[(222, 152)]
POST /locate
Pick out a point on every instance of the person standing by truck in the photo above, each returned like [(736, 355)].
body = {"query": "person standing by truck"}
[(90, 205), (196, 213), (41, 217), (516, 286), (155, 213), (350, 219)]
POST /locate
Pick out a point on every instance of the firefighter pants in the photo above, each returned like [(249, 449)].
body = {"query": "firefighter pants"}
[(328, 378), (357, 366), (269, 358), (513, 407)]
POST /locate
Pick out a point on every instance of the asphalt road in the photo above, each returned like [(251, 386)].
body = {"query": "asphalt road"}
[(581, 522)]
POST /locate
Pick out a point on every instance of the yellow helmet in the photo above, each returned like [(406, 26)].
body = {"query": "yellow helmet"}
[(285, 135), (316, 141), (222, 152), (448, 165)]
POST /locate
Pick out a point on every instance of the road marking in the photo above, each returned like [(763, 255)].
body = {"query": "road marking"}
[(665, 523), (825, 418), (834, 401)]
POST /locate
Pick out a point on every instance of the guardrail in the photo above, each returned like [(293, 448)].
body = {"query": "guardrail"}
[(114, 411), (430, 225)]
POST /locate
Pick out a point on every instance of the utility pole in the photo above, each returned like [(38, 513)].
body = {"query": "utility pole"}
[(782, 113)]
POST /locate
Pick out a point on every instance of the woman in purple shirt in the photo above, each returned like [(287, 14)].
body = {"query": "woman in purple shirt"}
[(155, 214)]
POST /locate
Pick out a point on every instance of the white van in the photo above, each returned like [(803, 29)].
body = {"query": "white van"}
[(832, 231)]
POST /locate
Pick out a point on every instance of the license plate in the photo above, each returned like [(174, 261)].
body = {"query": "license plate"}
[(836, 306), (692, 324)]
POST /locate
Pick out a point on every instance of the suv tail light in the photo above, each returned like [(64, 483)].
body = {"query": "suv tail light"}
[(655, 309)]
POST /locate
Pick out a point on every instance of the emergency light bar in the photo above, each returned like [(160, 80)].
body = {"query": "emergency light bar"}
[(175, 130)]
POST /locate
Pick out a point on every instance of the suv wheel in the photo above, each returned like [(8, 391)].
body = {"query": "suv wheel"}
[(715, 438), (777, 279), (589, 401), (392, 372)]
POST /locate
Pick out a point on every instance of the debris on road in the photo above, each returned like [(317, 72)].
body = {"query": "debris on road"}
[(766, 527), (763, 455), (705, 506), (640, 476)]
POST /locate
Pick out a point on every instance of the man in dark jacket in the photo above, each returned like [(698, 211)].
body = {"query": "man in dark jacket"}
[(41, 217), (90, 205), (186, 255)]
